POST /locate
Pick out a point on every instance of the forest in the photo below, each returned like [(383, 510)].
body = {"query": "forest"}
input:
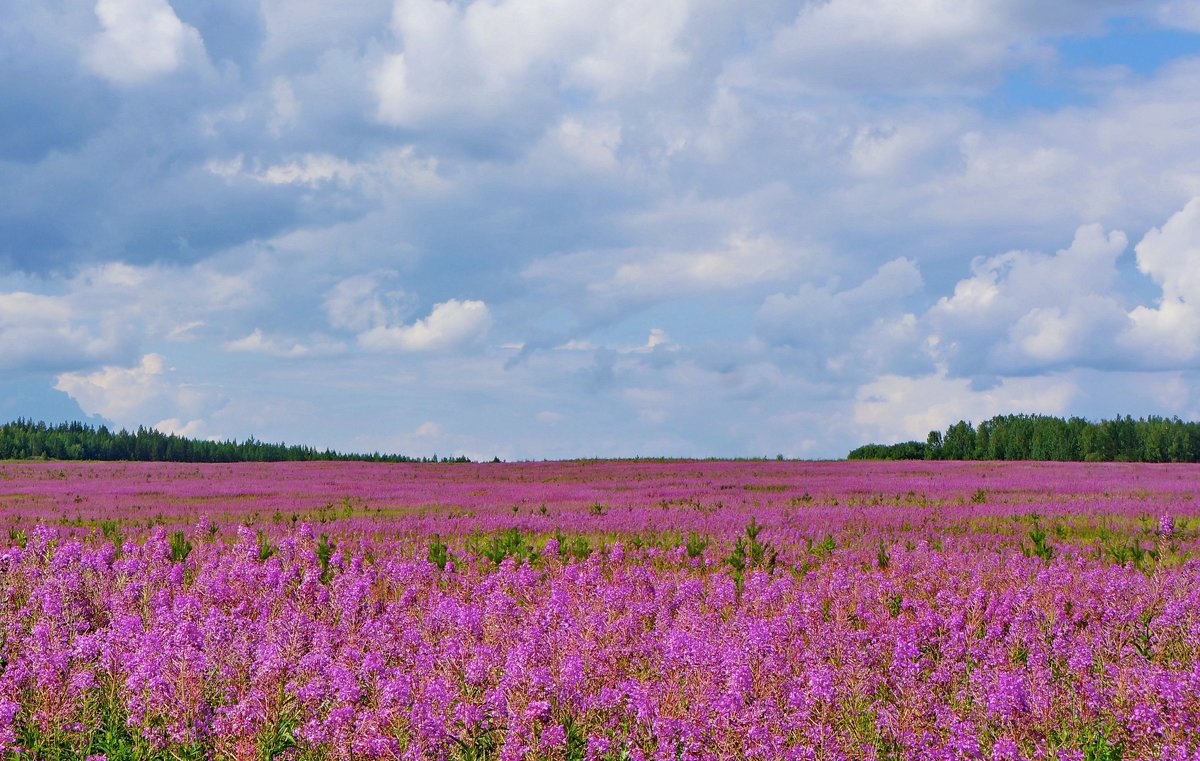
[(24, 439), (1045, 437)]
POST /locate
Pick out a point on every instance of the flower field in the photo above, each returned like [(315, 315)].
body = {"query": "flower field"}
[(600, 610)]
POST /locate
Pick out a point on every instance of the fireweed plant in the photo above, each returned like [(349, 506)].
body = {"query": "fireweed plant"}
[(707, 610)]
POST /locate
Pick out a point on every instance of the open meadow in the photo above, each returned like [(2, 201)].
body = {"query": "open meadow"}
[(600, 610)]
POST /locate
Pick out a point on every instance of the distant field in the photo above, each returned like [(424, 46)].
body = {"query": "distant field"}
[(600, 610)]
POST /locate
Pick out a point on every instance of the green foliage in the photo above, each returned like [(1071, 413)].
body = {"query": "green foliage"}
[(509, 543), (579, 547), (439, 553), (325, 550), (696, 545), (1037, 535), (751, 553), (1100, 749), (905, 450), (23, 439), (825, 547), (1130, 551), (1044, 437), (483, 745), (111, 531), (576, 744), (180, 546), (265, 548), (280, 738), (109, 736)]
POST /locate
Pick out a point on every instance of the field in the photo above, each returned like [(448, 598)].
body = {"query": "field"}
[(600, 610)]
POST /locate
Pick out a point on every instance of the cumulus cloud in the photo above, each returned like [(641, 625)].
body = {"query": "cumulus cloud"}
[(932, 47), (130, 396), (102, 314), (855, 331), (451, 324), (816, 314), (1182, 14), (1169, 333), (307, 28), (428, 430), (607, 276), (744, 259), (357, 303), (39, 332), (588, 143), (1024, 310), (387, 169), (177, 427), (1025, 322), (488, 60), (730, 172), (896, 407), (259, 343), (140, 40)]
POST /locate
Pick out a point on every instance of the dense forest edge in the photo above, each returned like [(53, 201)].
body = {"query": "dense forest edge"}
[(1045, 437), (24, 439)]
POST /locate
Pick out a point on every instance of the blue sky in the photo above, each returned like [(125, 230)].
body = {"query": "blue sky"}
[(555, 228)]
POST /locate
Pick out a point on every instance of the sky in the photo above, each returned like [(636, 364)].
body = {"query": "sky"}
[(557, 228)]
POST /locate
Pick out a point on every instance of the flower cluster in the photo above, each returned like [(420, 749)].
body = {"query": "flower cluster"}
[(710, 611)]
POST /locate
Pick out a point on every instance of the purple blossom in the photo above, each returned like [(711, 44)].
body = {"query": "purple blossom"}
[(634, 635)]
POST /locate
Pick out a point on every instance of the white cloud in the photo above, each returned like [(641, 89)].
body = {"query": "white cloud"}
[(877, 43), (658, 337), (1122, 170), (1022, 310), (674, 163), (664, 273), (1182, 14), (190, 429), (1170, 255), (185, 331), (451, 323), (307, 28), (743, 260), (388, 169), (40, 331), (309, 169), (140, 40), (259, 343), (163, 295), (358, 304), (101, 313), (904, 146), (285, 107), (130, 396), (650, 403), (895, 407), (793, 318), (589, 143), (428, 430), (482, 60), (858, 330), (935, 181), (575, 344), (925, 46)]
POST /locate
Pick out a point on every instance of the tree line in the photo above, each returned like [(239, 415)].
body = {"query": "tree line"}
[(24, 439), (1045, 437)]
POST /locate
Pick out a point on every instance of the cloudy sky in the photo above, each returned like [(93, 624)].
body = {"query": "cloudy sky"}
[(550, 228)]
